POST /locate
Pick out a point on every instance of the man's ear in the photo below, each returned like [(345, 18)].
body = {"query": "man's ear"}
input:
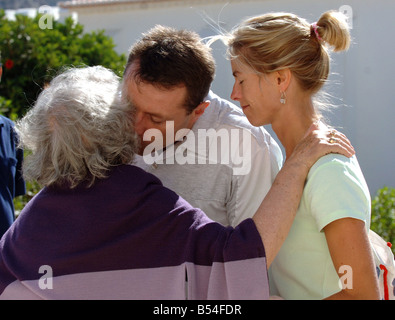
[(199, 110)]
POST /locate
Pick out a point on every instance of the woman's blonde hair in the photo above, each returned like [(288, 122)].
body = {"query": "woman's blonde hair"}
[(78, 129), (277, 41)]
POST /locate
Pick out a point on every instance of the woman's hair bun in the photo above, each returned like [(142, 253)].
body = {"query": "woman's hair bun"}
[(334, 30)]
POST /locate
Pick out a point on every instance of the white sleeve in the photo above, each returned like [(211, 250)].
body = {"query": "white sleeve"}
[(248, 190)]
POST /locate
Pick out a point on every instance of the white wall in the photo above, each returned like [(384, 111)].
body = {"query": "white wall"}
[(362, 85)]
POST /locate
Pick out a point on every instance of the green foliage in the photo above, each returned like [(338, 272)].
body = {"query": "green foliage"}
[(383, 214), (6, 108), (32, 188), (32, 56)]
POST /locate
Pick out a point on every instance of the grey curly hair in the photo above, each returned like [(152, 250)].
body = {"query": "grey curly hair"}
[(78, 129)]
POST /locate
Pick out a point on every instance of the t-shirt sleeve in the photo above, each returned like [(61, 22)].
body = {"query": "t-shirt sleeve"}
[(228, 263), (336, 189), (251, 186)]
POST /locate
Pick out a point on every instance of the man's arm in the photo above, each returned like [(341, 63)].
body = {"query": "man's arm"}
[(277, 211)]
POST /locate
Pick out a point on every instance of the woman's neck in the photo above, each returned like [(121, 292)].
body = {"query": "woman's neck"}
[(293, 122)]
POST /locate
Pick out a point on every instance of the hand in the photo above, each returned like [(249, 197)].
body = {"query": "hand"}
[(319, 141)]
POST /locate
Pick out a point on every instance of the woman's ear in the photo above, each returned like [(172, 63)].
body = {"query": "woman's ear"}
[(283, 78)]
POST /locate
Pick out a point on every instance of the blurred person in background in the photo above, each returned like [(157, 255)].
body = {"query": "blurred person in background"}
[(11, 180)]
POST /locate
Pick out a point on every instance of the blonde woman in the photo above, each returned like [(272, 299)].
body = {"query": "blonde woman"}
[(279, 62)]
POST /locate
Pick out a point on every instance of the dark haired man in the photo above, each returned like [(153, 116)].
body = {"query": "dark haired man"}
[(199, 145)]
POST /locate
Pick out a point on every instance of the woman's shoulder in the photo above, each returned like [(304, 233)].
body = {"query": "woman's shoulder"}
[(332, 163), (337, 173), (335, 189)]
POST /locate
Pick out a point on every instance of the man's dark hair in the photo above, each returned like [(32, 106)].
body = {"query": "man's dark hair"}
[(168, 57)]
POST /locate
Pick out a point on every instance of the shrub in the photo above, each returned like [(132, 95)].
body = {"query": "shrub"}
[(32, 56), (383, 214), (32, 188)]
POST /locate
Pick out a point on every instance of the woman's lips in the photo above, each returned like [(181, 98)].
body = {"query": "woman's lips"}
[(245, 107)]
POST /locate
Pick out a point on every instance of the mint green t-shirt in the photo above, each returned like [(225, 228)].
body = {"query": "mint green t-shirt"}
[(335, 189)]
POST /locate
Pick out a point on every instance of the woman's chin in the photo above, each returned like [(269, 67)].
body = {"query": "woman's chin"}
[(254, 121)]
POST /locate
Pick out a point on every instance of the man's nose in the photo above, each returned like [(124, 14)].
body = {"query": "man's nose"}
[(139, 125)]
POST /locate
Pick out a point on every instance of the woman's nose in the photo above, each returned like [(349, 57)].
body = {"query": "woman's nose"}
[(235, 93)]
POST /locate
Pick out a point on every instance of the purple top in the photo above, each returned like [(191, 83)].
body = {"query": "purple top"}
[(127, 237)]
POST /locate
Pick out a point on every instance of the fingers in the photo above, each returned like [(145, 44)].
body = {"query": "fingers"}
[(319, 142), (340, 143)]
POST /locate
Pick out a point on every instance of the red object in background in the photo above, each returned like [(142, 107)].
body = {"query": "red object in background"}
[(9, 64)]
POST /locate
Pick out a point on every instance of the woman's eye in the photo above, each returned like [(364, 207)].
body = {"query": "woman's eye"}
[(241, 81)]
